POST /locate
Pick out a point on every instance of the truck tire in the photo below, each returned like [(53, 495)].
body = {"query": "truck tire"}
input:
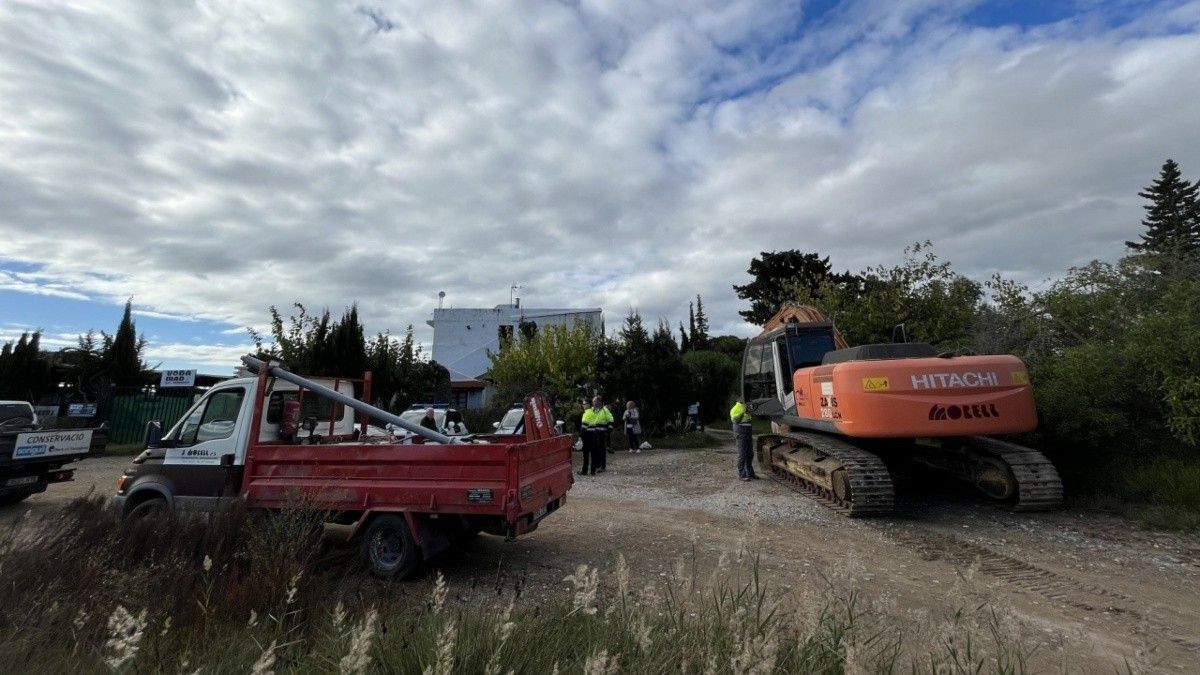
[(388, 547), (150, 509)]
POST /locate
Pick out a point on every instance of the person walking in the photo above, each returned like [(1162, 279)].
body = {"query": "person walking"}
[(596, 423), (694, 415), (633, 427), (744, 436)]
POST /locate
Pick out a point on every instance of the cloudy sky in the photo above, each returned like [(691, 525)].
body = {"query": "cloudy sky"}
[(212, 158)]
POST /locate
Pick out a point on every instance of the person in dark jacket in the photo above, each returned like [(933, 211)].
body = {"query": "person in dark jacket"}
[(429, 421)]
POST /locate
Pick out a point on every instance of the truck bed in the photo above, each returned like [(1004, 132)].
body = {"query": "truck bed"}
[(517, 480)]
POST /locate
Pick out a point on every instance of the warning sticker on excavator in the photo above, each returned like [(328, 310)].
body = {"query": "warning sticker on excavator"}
[(875, 384), (1020, 377)]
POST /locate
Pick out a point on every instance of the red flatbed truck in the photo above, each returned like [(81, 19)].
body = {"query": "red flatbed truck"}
[(254, 439)]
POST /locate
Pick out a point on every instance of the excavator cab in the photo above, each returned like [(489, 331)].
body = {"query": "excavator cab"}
[(771, 360)]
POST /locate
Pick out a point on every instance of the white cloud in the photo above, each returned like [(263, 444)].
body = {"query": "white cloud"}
[(218, 359), (212, 159)]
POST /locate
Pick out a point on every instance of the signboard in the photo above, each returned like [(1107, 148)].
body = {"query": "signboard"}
[(81, 410), (177, 378), (50, 443), (45, 412)]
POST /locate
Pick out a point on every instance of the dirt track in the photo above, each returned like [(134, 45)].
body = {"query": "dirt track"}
[(1089, 590)]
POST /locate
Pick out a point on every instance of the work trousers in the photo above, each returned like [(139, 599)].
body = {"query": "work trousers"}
[(745, 439), (633, 438), (594, 456)]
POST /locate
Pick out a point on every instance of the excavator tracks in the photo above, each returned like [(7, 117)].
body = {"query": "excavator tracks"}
[(870, 491), (1039, 487)]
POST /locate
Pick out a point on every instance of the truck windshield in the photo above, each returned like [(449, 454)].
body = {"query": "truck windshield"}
[(808, 348)]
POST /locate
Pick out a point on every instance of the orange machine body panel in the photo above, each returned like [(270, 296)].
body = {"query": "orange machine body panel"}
[(922, 397)]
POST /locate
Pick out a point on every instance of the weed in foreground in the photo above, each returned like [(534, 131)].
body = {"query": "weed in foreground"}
[(234, 596)]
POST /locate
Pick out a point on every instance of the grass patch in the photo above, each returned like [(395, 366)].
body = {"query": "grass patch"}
[(245, 593), (1162, 493), (686, 440)]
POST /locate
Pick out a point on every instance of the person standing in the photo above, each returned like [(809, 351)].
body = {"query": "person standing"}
[(429, 421), (694, 414), (633, 427), (596, 423), (744, 437)]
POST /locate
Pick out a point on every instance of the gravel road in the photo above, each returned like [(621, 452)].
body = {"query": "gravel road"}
[(1087, 589)]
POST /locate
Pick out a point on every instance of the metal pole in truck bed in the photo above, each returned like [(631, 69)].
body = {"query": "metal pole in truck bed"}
[(365, 408)]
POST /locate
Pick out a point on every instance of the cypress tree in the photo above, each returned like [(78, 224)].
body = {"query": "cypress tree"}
[(1172, 219), (123, 351), (700, 333)]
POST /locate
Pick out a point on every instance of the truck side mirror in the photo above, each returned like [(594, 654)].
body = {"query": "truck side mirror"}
[(495, 425), (558, 426), (227, 460), (153, 433)]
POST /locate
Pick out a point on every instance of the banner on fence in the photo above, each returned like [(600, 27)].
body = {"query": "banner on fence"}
[(177, 378), (81, 410), (46, 412)]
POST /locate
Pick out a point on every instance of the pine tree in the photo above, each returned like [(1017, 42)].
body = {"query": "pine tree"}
[(685, 342), (1172, 219)]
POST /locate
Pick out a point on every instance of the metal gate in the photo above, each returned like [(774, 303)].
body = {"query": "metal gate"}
[(128, 413)]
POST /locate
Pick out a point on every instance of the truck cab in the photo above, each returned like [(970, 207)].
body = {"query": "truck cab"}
[(196, 463)]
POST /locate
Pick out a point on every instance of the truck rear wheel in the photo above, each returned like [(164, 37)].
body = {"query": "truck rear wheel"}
[(388, 547)]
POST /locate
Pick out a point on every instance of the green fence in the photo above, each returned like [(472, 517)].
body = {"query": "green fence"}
[(129, 414)]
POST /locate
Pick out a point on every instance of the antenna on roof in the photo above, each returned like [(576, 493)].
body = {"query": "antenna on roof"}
[(441, 297), (514, 296)]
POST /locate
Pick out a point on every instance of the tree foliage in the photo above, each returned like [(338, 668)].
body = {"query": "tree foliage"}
[(401, 376), (123, 352), (554, 359), (934, 303), (317, 345), (24, 372), (777, 276), (1172, 219), (712, 377)]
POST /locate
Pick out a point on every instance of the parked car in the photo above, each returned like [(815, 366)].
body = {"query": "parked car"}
[(513, 421), (17, 415)]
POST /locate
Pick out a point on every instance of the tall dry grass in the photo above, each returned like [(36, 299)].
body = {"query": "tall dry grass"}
[(258, 594)]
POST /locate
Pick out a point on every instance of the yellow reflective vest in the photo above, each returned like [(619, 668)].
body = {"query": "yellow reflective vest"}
[(738, 413), (594, 419)]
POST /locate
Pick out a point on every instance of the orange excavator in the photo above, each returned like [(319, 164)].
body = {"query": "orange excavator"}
[(841, 415)]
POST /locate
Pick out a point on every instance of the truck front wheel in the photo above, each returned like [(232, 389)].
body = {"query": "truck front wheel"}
[(388, 547), (155, 507)]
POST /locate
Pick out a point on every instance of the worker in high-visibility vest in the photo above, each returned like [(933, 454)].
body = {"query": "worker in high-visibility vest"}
[(744, 437), (597, 422)]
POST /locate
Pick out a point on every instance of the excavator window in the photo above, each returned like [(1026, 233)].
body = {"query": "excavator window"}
[(809, 347), (758, 372)]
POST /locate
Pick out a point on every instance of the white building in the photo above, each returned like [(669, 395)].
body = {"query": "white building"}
[(462, 339)]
